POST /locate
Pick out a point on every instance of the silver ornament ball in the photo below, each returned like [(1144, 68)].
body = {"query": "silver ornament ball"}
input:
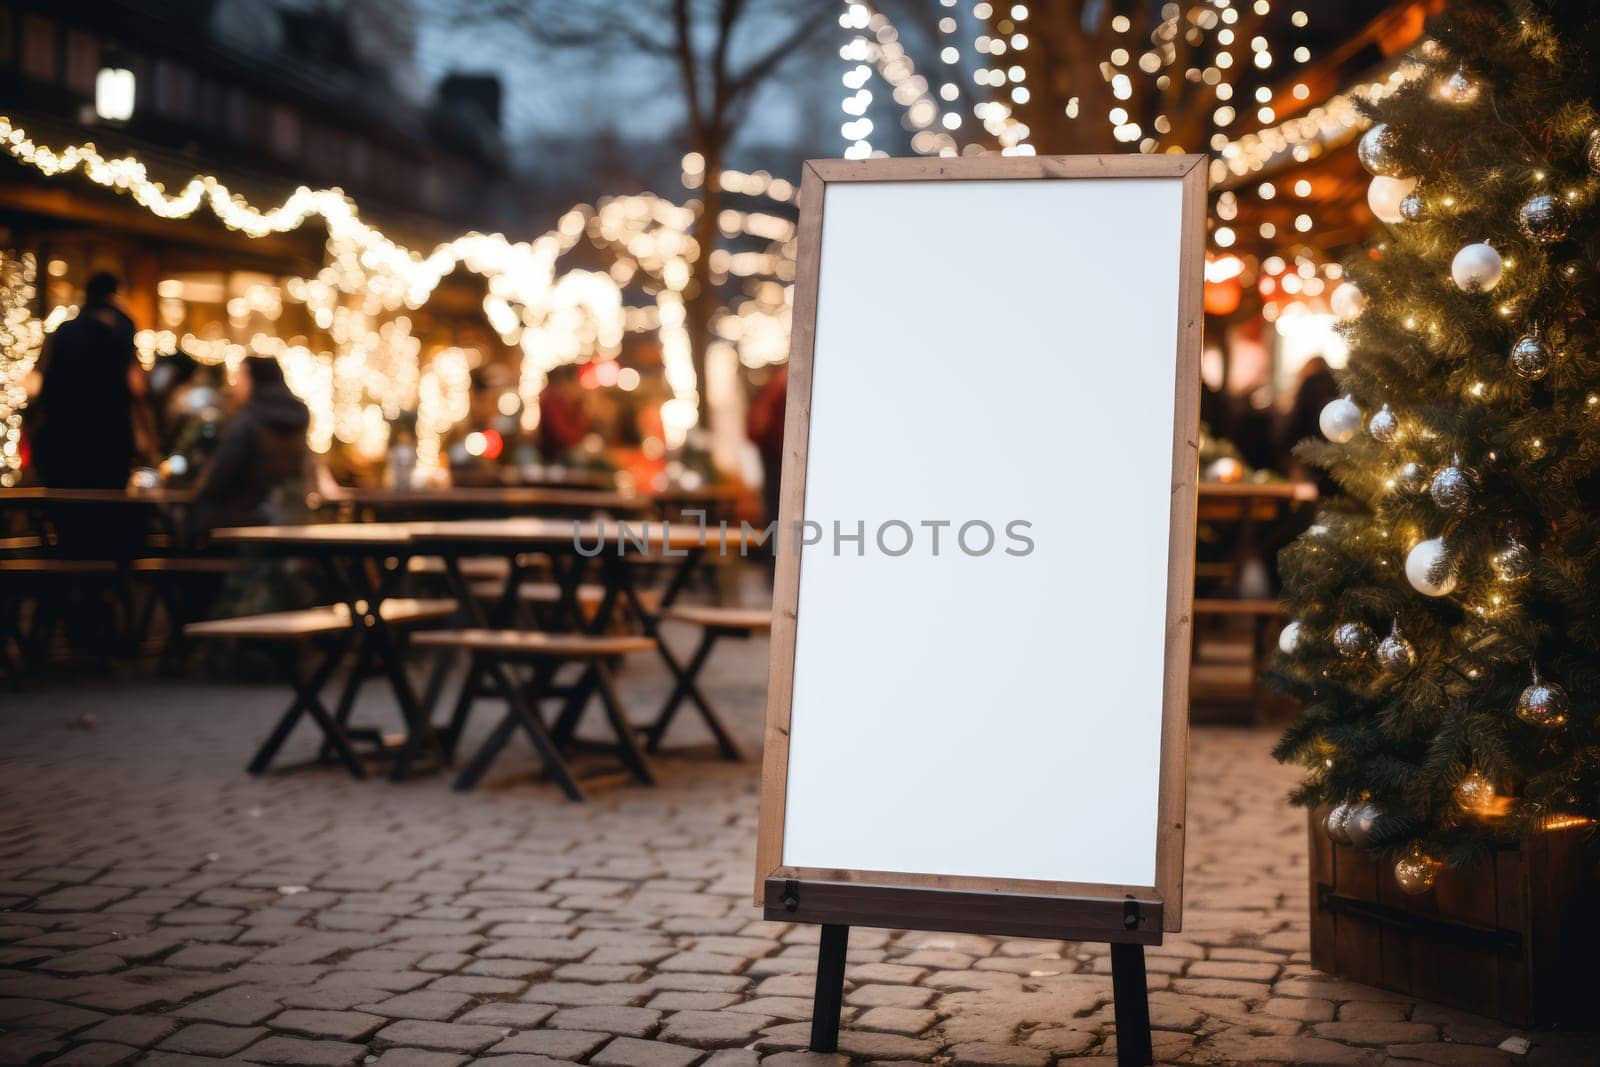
[(1379, 150), (1591, 151), (1384, 426), (1544, 218), (1352, 639), (1453, 488), (1543, 704), (1359, 826), (1334, 824), (1530, 357), (1512, 563), (1459, 89), (1477, 268), (1412, 207), (1395, 654), (1340, 420), (1475, 793)]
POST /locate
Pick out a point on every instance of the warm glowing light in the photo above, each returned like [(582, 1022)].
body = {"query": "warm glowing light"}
[(114, 94)]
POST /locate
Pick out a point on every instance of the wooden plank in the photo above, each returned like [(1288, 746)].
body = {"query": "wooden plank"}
[(1468, 896), (1172, 791), (1320, 862), (1006, 168), (607, 537), (1511, 889), (327, 534), (911, 880), (1514, 1002), (1004, 914), (536, 644), (1300, 491), (1359, 951), (507, 497), (791, 508), (309, 622), (34, 494), (1226, 606)]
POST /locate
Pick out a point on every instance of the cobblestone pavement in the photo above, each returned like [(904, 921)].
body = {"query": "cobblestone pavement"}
[(160, 906)]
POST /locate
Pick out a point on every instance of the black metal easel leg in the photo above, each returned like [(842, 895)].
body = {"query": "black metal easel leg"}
[(830, 988), (1132, 999)]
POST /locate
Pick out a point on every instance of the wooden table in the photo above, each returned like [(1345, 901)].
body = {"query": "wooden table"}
[(159, 510), (559, 477), (714, 501), (1262, 517), (362, 562), (492, 500), (573, 550), (163, 497), (1246, 521)]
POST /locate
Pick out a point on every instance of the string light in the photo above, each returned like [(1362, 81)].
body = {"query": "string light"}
[(1306, 136), (876, 47), (21, 336), (1200, 29), (374, 368)]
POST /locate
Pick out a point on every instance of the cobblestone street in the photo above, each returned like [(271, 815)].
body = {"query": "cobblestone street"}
[(161, 906)]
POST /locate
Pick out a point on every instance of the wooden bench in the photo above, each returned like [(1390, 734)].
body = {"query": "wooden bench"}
[(17, 572), (1261, 616), (51, 584), (546, 653), (332, 627), (715, 622), (548, 594), (473, 568), (180, 586), (314, 622)]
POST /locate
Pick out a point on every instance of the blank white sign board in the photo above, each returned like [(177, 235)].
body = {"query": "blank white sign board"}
[(982, 616)]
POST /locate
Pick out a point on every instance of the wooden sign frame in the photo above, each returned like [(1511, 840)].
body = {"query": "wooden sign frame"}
[(1125, 915)]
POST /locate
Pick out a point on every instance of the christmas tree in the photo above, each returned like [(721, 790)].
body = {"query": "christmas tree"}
[(1445, 642)]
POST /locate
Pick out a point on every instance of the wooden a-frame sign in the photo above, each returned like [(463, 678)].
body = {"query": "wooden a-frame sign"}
[(988, 734)]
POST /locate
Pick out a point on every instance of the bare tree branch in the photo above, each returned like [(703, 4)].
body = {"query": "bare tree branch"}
[(760, 69)]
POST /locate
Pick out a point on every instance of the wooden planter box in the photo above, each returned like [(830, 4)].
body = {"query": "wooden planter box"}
[(1516, 939)]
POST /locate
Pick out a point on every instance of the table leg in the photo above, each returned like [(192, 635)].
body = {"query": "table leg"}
[(364, 597)]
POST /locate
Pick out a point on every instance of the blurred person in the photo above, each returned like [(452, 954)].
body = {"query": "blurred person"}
[(475, 446), (89, 419), (563, 417), (764, 427), (262, 453), (1315, 387)]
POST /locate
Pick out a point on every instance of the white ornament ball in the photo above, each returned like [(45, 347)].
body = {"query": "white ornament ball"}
[(1340, 420), (1420, 566), (1289, 639), (1348, 300), (1384, 196), (1476, 268)]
